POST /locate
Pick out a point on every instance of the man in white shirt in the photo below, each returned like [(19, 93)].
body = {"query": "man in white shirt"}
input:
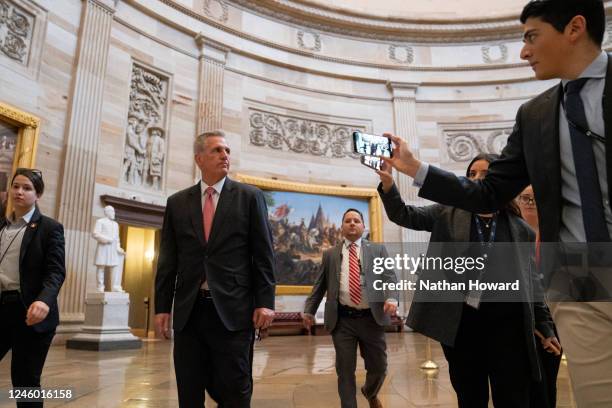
[(355, 313)]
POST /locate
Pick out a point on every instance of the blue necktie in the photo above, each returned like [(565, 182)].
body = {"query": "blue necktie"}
[(586, 170)]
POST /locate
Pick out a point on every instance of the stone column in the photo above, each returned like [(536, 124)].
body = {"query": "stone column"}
[(209, 109), (210, 83), (404, 110), (82, 137)]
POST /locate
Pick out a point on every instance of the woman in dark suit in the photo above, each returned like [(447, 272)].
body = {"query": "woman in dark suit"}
[(32, 271), (483, 341)]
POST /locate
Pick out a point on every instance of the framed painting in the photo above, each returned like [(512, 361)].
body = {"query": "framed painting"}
[(306, 220), (18, 141)]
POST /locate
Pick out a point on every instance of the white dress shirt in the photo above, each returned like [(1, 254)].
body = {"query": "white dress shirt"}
[(10, 249), (344, 294)]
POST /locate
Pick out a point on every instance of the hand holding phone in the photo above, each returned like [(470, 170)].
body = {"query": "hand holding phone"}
[(372, 145), (371, 162)]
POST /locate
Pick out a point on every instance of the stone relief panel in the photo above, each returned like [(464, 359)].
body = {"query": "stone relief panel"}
[(607, 40), (494, 54), (144, 156), (16, 27), (462, 143), (304, 135), (401, 54), (309, 41), (216, 9)]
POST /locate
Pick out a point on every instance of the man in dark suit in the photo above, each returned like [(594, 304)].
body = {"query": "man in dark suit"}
[(562, 145), (356, 310), (216, 263)]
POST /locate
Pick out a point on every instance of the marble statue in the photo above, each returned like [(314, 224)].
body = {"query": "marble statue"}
[(109, 255)]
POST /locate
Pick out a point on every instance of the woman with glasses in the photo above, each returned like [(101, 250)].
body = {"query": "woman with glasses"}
[(484, 340), (544, 393), (32, 271)]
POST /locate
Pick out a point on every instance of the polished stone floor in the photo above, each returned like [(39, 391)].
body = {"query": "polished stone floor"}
[(291, 371)]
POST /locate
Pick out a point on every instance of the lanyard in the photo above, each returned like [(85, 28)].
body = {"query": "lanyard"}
[(10, 243), (481, 234)]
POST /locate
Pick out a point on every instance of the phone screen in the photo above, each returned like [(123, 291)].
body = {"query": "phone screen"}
[(372, 145), (371, 162)]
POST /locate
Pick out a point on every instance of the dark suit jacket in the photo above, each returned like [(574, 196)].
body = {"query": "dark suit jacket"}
[(530, 157), (328, 282), (42, 267), (440, 320), (238, 259)]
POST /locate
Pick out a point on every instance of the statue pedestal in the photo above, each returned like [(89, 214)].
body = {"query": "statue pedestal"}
[(106, 324)]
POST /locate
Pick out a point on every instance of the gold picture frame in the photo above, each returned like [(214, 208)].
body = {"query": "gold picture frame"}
[(27, 138), (374, 210)]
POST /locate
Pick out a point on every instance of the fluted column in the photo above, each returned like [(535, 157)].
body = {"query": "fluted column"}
[(404, 112), (81, 153), (210, 83)]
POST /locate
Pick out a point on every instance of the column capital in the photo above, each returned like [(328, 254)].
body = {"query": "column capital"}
[(403, 89), (211, 49), (108, 5)]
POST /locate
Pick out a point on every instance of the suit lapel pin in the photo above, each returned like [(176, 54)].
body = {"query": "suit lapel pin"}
[(33, 225)]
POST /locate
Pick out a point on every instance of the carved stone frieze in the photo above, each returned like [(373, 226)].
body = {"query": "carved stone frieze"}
[(216, 9), (301, 135), (16, 26), (309, 41), (401, 54), (463, 145), (494, 54), (144, 156)]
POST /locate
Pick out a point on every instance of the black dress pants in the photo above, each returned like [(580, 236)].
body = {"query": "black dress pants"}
[(29, 348), (209, 357), (490, 346)]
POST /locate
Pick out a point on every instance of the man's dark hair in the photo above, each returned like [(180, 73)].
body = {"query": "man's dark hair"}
[(559, 13), (357, 211)]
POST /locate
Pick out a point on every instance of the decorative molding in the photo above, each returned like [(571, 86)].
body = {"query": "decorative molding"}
[(145, 152), (16, 26), (303, 133), (331, 20), (489, 51), (134, 212), (216, 9), (18, 116), (464, 141), (309, 41), (401, 54)]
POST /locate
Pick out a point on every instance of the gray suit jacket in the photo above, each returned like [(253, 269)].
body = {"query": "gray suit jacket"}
[(440, 320), (329, 282)]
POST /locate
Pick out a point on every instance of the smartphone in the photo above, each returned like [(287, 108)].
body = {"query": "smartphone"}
[(372, 145), (371, 162)]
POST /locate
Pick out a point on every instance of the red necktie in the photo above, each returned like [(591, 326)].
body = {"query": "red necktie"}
[(209, 211), (354, 275)]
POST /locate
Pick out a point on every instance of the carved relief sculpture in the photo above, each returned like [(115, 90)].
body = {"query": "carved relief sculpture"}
[(306, 136), (464, 145), (145, 146), (15, 31)]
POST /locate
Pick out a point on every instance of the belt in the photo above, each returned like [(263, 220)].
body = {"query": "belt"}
[(347, 311), (205, 294), (9, 296)]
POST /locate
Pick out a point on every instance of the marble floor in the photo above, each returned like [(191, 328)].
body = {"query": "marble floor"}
[(290, 371)]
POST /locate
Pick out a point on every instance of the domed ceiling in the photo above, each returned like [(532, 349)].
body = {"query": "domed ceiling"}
[(432, 10)]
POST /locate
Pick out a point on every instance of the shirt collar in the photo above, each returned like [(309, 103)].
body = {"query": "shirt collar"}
[(26, 217), (218, 186), (597, 69), (347, 243)]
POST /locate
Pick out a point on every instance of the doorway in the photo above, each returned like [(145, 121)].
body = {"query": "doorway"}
[(141, 249)]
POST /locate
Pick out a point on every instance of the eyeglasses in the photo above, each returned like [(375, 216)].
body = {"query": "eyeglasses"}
[(25, 170), (526, 200)]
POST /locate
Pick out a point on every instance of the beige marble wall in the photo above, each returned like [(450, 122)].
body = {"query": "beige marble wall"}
[(267, 66)]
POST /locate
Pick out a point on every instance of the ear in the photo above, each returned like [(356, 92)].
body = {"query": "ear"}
[(576, 28)]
